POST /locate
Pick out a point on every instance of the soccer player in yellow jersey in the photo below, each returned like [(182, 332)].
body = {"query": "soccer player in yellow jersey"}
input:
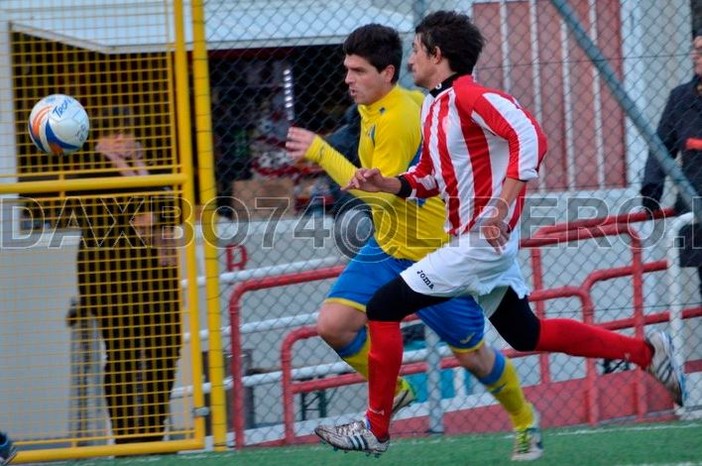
[(405, 232)]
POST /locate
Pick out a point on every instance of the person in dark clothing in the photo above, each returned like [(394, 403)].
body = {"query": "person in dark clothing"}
[(128, 278), (345, 140), (7, 449), (680, 130), (352, 216), (345, 137)]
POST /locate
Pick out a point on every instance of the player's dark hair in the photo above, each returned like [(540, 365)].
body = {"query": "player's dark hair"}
[(459, 40), (380, 45)]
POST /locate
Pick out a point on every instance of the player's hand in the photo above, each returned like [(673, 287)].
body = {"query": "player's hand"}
[(495, 231), (366, 179), (298, 142)]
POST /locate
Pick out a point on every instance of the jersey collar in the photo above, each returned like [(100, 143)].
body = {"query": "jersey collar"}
[(381, 105), (447, 83)]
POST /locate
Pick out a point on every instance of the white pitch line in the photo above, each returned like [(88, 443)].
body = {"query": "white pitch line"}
[(606, 430), (593, 431), (661, 464)]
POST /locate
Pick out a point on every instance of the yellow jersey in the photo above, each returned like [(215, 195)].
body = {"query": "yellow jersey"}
[(390, 140)]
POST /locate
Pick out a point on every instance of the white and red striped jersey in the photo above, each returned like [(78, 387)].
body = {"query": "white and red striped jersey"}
[(473, 139)]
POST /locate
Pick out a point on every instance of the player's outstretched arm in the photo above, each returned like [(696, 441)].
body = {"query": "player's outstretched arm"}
[(372, 181), (306, 145)]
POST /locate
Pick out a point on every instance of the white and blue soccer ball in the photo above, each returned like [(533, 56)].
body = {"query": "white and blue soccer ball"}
[(58, 124)]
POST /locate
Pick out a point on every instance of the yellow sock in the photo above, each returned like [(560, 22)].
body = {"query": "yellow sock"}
[(503, 383), (356, 355)]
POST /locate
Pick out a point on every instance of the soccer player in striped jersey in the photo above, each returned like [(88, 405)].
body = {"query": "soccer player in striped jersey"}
[(405, 232), (480, 147)]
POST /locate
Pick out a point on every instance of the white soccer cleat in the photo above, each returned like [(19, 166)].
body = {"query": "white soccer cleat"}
[(527, 442), (354, 436), (664, 367), (404, 397)]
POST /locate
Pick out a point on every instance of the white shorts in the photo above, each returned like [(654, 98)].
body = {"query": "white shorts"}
[(469, 265)]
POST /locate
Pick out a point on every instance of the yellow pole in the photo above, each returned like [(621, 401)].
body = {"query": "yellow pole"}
[(201, 85), (186, 162), (84, 184), (57, 454)]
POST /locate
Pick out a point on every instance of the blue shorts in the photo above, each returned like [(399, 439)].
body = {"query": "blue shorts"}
[(459, 322)]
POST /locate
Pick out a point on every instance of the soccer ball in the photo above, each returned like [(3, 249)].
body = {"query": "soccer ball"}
[(58, 124)]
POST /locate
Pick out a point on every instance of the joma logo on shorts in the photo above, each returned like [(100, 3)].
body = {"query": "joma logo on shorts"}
[(425, 279)]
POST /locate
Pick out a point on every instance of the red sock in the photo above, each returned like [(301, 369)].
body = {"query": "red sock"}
[(384, 361), (578, 339)]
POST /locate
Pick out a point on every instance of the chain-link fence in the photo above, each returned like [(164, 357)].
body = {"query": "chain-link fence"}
[(593, 170), (286, 230), (93, 314)]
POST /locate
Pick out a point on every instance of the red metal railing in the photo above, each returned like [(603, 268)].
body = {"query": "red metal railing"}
[(592, 228), (235, 337)]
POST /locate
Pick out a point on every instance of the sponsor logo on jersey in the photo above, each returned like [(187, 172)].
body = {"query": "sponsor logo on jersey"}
[(425, 279)]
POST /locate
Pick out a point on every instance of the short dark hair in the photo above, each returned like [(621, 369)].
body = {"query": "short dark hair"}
[(455, 34), (380, 45)]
